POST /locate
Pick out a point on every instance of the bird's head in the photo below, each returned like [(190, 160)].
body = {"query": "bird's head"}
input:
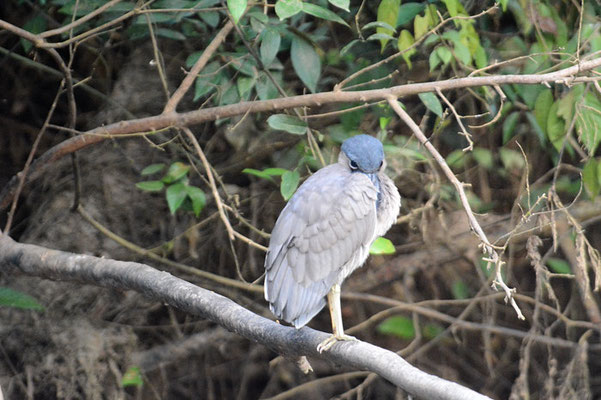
[(364, 153)]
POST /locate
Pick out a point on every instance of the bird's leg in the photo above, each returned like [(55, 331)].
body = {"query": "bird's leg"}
[(336, 315)]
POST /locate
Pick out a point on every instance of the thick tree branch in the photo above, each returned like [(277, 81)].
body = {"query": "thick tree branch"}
[(58, 265), (163, 121)]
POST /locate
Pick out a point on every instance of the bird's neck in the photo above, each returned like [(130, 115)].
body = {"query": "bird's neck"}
[(375, 179)]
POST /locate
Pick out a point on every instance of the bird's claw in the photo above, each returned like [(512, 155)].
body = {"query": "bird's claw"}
[(329, 342)]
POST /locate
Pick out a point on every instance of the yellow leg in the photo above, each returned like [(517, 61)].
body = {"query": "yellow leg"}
[(336, 315)]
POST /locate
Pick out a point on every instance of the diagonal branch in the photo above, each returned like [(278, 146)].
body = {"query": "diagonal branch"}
[(488, 249), (58, 265), (157, 122)]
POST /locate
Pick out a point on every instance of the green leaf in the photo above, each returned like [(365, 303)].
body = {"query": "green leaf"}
[(207, 80), (382, 246), (176, 171), (236, 8), (388, 11), (431, 101), (306, 62), (132, 377), (290, 180), (483, 157), (322, 13), (150, 186), (462, 53), (420, 26), (590, 178), (257, 173), (170, 34), (176, 194), (408, 11), (270, 45), (15, 299), (445, 54), (431, 330), (405, 41), (198, 198), (480, 57), (288, 123), (397, 326), (434, 60), (153, 169), (559, 266), (543, 104), (344, 4), (380, 24), (509, 126), (456, 159), (36, 25), (588, 122), (346, 48), (287, 8), (460, 290), (265, 87), (511, 159), (245, 86), (556, 131), (275, 171)]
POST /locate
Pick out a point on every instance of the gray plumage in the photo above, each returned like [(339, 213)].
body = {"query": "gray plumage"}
[(325, 231)]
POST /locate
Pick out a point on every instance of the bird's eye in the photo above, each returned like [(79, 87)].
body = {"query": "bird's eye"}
[(381, 163), (353, 165)]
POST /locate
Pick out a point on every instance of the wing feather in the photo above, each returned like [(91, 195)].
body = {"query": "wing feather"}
[(321, 231)]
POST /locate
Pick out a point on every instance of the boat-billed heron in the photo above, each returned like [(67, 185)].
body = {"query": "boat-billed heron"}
[(325, 231)]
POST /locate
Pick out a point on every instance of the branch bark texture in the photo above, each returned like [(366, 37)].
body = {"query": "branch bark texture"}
[(58, 265)]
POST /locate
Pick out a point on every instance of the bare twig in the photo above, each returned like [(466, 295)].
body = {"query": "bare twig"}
[(198, 66), (488, 249), (205, 163)]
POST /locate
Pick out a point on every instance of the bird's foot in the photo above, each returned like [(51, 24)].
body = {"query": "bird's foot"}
[(329, 342)]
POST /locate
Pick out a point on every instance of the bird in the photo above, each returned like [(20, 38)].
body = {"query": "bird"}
[(325, 232)]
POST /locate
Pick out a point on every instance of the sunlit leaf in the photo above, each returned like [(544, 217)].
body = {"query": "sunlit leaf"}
[(132, 377), (382, 246), (405, 41), (387, 12)]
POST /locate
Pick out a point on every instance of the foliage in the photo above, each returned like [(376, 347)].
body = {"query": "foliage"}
[(16, 299), (178, 193)]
